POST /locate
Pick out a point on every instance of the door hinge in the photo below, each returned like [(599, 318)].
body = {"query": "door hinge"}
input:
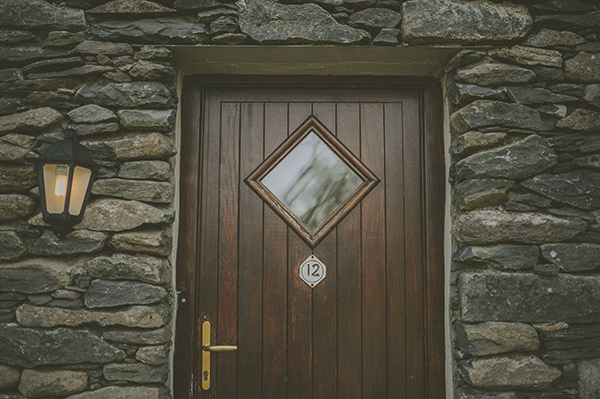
[(183, 299)]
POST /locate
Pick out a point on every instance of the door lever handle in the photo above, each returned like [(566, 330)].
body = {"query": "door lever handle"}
[(207, 348), (220, 348)]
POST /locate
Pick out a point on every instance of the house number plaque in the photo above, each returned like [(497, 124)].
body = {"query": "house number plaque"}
[(312, 271)]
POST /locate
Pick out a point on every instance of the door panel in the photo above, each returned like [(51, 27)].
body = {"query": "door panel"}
[(360, 333)]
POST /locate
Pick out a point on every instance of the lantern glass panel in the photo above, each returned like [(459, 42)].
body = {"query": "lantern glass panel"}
[(55, 187), (81, 179)]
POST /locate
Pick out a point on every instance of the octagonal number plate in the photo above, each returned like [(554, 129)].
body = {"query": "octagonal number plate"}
[(312, 271)]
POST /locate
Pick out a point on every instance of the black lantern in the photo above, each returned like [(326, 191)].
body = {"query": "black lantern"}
[(66, 173)]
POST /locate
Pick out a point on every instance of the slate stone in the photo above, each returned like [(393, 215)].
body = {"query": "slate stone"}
[(38, 14), (136, 372), (92, 113), (21, 55), (13, 153), (196, 4), (44, 384), (529, 298), (589, 161), (573, 257), (63, 38), (153, 31), (207, 16), (135, 316), (468, 393), (553, 38), (15, 206), (93, 47), (76, 242), (130, 95), (144, 70), (156, 120), (131, 7), (584, 67), (461, 93), (141, 337), (54, 64), (154, 53), (526, 202), (85, 70), (535, 56), (570, 21), (10, 75), (131, 147), (142, 268), (30, 121), (478, 193), (487, 226), (118, 215), (28, 347), (493, 338), (373, 18), (91, 129), (483, 113), (518, 160), (269, 22), (592, 94), (581, 119), (154, 355), (141, 190), (490, 74), (502, 257), (509, 372), (580, 189), (19, 140), (152, 170), (387, 36), (15, 37), (230, 38), (588, 372), (11, 246), (123, 392), (106, 294), (463, 22), (473, 140), (17, 178), (9, 377), (525, 95), (147, 242), (226, 24), (34, 275)]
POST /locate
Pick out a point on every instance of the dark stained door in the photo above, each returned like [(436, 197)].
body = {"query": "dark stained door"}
[(373, 328)]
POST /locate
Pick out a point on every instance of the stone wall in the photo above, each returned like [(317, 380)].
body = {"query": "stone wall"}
[(90, 316)]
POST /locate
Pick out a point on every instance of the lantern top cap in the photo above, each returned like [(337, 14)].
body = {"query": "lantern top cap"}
[(68, 151)]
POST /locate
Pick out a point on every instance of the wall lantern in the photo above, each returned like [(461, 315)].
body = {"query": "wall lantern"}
[(66, 173)]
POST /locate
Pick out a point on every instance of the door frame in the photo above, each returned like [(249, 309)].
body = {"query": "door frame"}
[(434, 202)]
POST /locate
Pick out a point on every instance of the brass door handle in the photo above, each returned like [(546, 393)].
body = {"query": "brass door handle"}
[(207, 348), (220, 348)]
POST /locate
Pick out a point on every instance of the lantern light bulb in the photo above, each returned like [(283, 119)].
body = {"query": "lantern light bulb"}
[(60, 186)]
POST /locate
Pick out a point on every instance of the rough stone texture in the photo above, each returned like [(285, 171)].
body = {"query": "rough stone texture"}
[(131, 147), (135, 7), (573, 257), (580, 189), (493, 338), (147, 119), (88, 129), (266, 21), (592, 94), (43, 384), (152, 170), (584, 67), (135, 316), (11, 246), (150, 71), (529, 298), (495, 74), (104, 294), (521, 372), (146, 337), (146, 269), (136, 372), (589, 382), (119, 215), (553, 38), (76, 242), (147, 242), (463, 22), (63, 38), (485, 227), (517, 160), (581, 119), (154, 355), (15, 206), (116, 392), (161, 30), (28, 121), (38, 14), (375, 18), (470, 141), (148, 191), (387, 37), (134, 94), (478, 193), (9, 377), (34, 276), (17, 178), (482, 113), (535, 56), (28, 347), (503, 257), (92, 113), (468, 393), (524, 95)]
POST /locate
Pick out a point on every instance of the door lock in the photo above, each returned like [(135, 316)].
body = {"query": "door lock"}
[(207, 348)]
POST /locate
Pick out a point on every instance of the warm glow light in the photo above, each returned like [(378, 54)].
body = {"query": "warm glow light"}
[(60, 189)]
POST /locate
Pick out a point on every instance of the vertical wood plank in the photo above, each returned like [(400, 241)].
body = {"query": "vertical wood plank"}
[(228, 248), (250, 272), (275, 271), (324, 302), (394, 199), (349, 285), (299, 297), (373, 256)]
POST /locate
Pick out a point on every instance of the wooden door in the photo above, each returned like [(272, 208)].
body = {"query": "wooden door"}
[(374, 327)]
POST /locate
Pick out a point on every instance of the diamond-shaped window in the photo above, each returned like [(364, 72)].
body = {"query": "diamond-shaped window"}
[(312, 181)]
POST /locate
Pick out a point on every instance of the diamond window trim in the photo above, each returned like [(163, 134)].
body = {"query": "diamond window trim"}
[(312, 125)]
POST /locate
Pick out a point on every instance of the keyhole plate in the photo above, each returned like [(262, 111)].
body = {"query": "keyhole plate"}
[(312, 271)]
